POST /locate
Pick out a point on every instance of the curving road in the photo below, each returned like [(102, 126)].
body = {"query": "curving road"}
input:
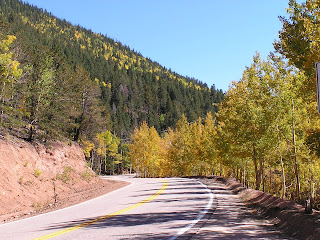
[(175, 208)]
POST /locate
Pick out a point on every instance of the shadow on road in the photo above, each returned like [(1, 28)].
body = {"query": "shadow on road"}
[(233, 220), (228, 219), (132, 220)]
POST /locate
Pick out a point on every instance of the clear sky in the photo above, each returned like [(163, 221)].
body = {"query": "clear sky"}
[(210, 40)]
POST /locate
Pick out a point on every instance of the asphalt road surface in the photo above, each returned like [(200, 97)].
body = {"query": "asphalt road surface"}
[(173, 208)]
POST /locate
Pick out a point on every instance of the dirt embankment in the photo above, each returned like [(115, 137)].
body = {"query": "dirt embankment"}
[(286, 215), (35, 178)]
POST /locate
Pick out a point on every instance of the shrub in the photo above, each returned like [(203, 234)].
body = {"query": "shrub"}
[(37, 173)]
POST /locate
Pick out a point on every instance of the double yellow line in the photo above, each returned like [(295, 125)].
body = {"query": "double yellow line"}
[(85, 224)]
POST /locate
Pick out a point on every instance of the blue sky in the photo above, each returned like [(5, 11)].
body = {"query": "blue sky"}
[(210, 40)]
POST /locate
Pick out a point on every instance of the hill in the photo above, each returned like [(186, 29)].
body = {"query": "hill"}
[(130, 88), (35, 177)]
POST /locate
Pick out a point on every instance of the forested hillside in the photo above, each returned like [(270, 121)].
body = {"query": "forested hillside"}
[(268, 129), (60, 81), (133, 89)]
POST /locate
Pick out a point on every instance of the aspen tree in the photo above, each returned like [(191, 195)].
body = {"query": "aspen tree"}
[(9, 72)]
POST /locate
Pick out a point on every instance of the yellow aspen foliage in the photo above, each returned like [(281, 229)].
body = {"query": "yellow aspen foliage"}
[(77, 35), (107, 144), (145, 152), (24, 19), (87, 146), (184, 151), (9, 68)]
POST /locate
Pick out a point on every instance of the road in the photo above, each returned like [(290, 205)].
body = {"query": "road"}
[(174, 208)]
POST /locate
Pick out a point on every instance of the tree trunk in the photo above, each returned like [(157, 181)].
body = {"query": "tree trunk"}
[(296, 170), (2, 102), (261, 174), (282, 167), (91, 160), (244, 175), (270, 180), (237, 173), (256, 169), (309, 202), (283, 178)]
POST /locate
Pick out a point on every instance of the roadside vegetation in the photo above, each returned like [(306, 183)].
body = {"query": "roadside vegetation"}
[(63, 82), (267, 131)]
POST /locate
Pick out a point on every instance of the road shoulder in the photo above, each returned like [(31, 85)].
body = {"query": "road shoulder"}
[(70, 198), (232, 219)]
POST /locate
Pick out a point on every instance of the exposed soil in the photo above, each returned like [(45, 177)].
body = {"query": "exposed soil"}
[(286, 215), (35, 178), (30, 174)]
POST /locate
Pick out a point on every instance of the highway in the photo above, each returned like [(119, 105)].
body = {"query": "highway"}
[(173, 208)]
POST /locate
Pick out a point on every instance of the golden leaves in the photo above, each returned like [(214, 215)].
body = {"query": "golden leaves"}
[(186, 150)]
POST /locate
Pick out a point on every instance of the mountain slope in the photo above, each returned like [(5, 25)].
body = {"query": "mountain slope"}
[(133, 89)]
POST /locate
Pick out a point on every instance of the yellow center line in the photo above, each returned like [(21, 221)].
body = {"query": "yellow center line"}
[(55, 234)]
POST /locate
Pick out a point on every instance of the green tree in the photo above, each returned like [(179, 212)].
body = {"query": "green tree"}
[(87, 111), (9, 73), (39, 85), (108, 146), (299, 40)]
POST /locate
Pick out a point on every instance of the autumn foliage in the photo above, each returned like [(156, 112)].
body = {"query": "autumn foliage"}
[(267, 131), (186, 150), (60, 81), (263, 135)]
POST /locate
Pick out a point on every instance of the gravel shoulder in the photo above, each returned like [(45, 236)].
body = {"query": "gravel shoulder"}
[(231, 219)]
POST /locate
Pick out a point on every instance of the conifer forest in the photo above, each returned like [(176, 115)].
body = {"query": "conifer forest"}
[(64, 82)]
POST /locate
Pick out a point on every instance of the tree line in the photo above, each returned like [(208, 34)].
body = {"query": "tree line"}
[(43, 99), (184, 151), (266, 133), (64, 82), (133, 88)]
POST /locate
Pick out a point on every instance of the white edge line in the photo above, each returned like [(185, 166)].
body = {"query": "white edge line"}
[(199, 217), (58, 210)]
